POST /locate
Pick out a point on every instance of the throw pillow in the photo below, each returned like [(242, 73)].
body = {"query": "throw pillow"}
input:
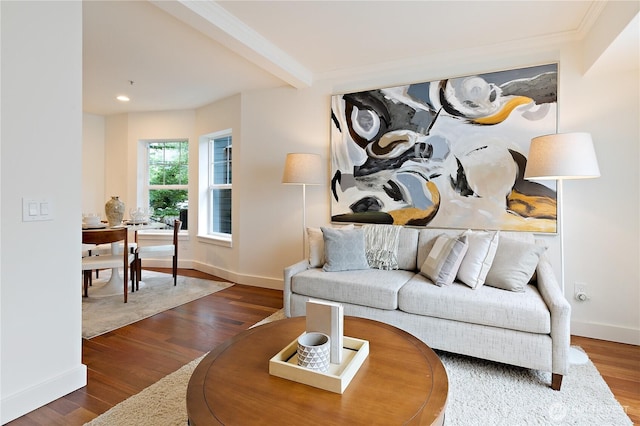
[(514, 264), (344, 249), (443, 261), (316, 245), (477, 262), (381, 242)]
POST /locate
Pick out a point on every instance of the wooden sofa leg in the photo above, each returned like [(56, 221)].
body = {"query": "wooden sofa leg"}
[(556, 381)]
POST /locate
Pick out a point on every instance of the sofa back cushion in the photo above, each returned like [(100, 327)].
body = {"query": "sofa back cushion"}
[(408, 249), (526, 237)]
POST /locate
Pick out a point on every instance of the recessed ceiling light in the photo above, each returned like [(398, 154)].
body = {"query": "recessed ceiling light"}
[(122, 98)]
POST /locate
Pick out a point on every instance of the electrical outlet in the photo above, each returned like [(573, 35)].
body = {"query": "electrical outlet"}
[(581, 292)]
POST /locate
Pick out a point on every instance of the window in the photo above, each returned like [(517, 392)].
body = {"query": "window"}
[(220, 184), (167, 180)]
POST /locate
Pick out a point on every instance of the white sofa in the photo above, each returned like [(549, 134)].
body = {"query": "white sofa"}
[(528, 328)]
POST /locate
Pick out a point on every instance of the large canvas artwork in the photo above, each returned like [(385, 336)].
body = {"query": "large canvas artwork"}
[(448, 153)]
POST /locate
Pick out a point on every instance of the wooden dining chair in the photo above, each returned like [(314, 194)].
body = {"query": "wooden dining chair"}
[(105, 249), (165, 250), (123, 259)]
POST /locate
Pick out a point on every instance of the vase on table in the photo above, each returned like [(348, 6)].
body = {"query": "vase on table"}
[(114, 209)]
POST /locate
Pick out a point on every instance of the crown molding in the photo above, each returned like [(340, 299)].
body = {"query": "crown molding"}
[(589, 19), (213, 20)]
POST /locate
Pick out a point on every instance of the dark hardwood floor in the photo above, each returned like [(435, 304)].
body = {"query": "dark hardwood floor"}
[(124, 362)]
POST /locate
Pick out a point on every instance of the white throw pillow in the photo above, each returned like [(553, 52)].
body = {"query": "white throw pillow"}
[(514, 264), (316, 245), (443, 261), (479, 257)]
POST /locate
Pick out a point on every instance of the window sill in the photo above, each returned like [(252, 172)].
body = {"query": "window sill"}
[(162, 234), (216, 240)]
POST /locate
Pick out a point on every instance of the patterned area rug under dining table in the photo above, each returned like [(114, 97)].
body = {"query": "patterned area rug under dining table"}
[(103, 314)]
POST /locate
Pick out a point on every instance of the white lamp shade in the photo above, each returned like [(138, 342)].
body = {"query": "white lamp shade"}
[(562, 156), (302, 169)]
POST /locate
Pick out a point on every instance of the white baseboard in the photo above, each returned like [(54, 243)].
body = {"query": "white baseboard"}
[(252, 280), (609, 332), (166, 263), (27, 400)]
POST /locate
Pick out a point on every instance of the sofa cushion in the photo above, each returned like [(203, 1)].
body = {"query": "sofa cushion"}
[(344, 249), (526, 237), (408, 249), (444, 259), (486, 305), (372, 287), (479, 257), (514, 264)]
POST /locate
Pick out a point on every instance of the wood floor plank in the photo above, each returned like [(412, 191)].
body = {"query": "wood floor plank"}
[(124, 362), (619, 366)]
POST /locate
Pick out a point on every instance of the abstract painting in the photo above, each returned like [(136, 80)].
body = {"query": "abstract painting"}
[(449, 153)]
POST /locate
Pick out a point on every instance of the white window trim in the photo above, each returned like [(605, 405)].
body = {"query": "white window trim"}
[(205, 234), (223, 240)]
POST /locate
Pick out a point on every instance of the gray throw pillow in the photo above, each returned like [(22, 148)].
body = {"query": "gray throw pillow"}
[(316, 245), (443, 261), (344, 249), (514, 264)]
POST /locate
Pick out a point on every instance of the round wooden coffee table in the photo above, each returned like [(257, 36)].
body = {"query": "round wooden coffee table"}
[(402, 381)]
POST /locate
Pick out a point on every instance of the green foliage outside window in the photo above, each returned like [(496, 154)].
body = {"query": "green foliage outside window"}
[(168, 202), (168, 165)]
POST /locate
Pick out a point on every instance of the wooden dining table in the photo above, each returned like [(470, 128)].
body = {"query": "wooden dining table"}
[(115, 285)]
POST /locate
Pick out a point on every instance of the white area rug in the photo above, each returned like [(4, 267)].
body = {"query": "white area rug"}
[(103, 314), (481, 393)]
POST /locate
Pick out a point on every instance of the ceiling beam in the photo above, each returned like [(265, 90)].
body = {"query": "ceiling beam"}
[(211, 19)]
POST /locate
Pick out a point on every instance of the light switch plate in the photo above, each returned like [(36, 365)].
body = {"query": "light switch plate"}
[(36, 209)]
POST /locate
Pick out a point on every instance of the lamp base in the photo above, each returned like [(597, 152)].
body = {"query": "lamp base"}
[(577, 357)]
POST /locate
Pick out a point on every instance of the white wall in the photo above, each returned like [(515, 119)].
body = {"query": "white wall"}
[(41, 116), (93, 151), (274, 123), (116, 158), (602, 215)]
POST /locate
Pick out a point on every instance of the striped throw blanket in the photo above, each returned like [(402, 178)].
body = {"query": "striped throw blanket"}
[(382, 245)]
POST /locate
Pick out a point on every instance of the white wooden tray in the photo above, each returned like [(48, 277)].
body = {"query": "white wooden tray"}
[(285, 364)]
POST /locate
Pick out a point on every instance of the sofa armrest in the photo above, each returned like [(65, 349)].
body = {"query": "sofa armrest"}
[(289, 272), (560, 310)]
